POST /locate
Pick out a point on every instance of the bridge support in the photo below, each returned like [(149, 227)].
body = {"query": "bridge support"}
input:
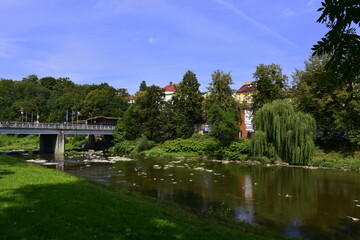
[(52, 143), (91, 141)]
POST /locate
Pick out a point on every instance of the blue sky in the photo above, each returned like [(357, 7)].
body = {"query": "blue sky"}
[(123, 42)]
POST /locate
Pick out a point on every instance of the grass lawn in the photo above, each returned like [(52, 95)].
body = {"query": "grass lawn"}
[(19, 142), (41, 203)]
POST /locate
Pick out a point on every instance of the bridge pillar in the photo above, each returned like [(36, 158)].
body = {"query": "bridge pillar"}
[(91, 141), (52, 143)]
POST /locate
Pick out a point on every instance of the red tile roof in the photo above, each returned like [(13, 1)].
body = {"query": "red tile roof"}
[(170, 88), (247, 87)]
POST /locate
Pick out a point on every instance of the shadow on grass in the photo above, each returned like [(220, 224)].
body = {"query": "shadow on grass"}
[(86, 210), (4, 172)]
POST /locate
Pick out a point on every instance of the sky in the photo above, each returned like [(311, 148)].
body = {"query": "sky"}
[(123, 42)]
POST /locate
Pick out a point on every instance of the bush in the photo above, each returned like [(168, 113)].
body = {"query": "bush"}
[(209, 146), (131, 146), (237, 150), (125, 147), (199, 144), (143, 144), (78, 141)]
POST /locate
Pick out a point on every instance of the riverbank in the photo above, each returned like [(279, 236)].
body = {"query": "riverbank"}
[(41, 203), (320, 159)]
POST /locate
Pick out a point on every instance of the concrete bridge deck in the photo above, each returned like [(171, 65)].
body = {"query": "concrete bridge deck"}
[(52, 134), (54, 128)]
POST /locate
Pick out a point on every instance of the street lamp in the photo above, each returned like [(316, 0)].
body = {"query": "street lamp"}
[(22, 113)]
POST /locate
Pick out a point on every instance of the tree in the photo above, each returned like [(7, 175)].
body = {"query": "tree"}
[(283, 133), (48, 82), (104, 102), (341, 41), (223, 124), (146, 113), (335, 106), (220, 91), (221, 107), (270, 83), (143, 86), (317, 94), (187, 102)]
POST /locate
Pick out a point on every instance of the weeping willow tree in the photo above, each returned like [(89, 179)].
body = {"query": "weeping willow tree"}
[(282, 133)]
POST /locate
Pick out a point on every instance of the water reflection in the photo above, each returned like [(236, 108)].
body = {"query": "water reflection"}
[(312, 204)]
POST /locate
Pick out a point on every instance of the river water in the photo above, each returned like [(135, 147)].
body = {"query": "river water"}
[(298, 202)]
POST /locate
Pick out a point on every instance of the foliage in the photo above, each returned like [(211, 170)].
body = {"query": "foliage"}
[(187, 101), (341, 41), (145, 113), (221, 107), (335, 159), (78, 140), (52, 98), (270, 83), (104, 102), (223, 124), (237, 150), (143, 86), (205, 145), (125, 147), (335, 106), (143, 143), (200, 144), (282, 133), (220, 91)]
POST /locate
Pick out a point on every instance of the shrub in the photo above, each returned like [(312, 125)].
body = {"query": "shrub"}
[(237, 150), (209, 146), (199, 144), (143, 143), (124, 147)]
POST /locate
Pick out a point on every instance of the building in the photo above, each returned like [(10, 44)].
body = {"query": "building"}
[(246, 92), (245, 96), (169, 90), (101, 120)]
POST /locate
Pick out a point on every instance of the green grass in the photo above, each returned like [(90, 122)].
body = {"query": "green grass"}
[(41, 203), (18, 142), (161, 152), (336, 159)]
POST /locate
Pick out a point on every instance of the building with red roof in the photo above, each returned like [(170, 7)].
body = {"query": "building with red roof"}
[(169, 90)]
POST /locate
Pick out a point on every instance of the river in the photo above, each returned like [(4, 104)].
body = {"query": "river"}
[(298, 202)]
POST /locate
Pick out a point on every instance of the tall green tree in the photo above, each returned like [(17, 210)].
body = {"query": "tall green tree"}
[(143, 86), (334, 105), (145, 114), (187, 101), (104, 102), (221, 107), (283, 133), (270, 83), (220, 91)]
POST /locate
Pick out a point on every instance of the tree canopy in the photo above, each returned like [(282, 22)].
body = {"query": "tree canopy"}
[(342, 17), (283, 133), (270, 83)]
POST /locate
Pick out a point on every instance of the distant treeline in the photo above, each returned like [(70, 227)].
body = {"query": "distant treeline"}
[(49, 100)]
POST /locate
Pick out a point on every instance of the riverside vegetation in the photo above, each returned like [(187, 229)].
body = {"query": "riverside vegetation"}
[(42, 203)]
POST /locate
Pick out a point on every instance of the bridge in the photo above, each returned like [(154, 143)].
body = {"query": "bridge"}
[(52, 134)]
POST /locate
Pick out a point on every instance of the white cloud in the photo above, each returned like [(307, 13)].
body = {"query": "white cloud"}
[(288, 12), (153, 40)]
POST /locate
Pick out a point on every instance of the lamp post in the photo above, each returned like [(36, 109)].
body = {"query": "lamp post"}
[(22, 113)]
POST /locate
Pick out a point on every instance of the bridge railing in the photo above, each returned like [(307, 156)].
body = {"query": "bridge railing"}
[(70, 126)]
